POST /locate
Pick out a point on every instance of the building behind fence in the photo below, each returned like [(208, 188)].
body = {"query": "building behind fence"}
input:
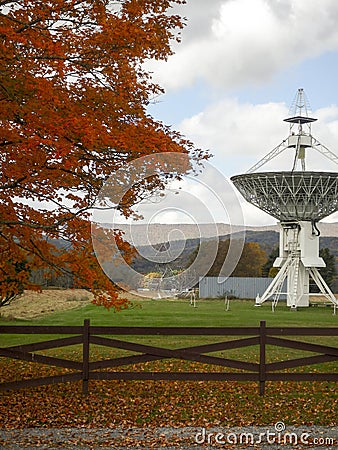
[(238, 287)]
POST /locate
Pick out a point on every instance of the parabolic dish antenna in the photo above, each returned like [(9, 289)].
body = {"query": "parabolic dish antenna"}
[(291, 195), (298, 199)]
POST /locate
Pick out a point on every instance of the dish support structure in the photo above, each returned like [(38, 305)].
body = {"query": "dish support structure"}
[(298, 261)]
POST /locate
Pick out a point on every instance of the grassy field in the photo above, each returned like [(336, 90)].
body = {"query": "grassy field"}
[(170, 403), (165, 312)]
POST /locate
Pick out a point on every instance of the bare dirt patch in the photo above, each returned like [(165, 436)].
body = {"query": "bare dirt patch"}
[(32, 304)]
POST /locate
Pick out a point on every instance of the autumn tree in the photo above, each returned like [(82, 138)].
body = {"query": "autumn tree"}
[(251, 261), (249, 265), (74, 93), (12, 286)]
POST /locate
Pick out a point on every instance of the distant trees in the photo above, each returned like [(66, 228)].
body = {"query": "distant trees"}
[(152, 280), (268, 269), (251, 261), (207, 259), (329, 272), (249, 265), (45, 278)]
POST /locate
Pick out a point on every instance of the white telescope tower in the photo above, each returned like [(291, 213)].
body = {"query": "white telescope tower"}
[(299, 199)]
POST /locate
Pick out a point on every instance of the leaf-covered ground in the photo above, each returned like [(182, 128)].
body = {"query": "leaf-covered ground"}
[(163, 403), (129, 404), (150, 406)]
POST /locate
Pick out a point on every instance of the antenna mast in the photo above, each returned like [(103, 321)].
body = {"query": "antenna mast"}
[(300, 137)]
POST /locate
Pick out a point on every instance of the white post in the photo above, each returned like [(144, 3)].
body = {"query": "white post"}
[(227, 303), (193, 298)]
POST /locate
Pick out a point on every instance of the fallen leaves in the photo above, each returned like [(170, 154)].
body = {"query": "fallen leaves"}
[(161, 403)]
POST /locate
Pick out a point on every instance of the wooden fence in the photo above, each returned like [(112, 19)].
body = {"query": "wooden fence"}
[(87, 335)]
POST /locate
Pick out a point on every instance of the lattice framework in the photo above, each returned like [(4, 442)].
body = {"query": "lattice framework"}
[(291, 195)]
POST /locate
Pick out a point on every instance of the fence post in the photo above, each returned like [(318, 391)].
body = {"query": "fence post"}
[(262, 356), (85, 356)]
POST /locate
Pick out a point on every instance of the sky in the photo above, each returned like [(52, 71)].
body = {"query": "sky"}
[(234, 76)]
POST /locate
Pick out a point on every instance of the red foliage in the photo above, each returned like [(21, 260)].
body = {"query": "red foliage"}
[(73, 110)]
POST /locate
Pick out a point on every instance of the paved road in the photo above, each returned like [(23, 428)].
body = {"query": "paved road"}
[(268, 438)]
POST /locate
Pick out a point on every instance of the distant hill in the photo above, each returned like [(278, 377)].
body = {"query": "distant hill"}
[(267, 239), (142, 234)]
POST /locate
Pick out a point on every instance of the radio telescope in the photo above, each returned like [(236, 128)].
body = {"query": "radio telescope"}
[(298, 199)]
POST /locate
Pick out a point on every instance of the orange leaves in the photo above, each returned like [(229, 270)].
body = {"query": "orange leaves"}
[(125, 404), (73, 111)]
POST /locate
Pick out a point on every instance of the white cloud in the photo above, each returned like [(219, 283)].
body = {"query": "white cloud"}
[(246, 42), (326, 129), (256, 217), (232, 44), (241, 134)]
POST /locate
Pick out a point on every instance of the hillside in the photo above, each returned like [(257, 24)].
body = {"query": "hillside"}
[(267, 239), (143, 234)]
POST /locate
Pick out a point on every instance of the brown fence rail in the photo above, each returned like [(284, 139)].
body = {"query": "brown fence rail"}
[(86, 370)]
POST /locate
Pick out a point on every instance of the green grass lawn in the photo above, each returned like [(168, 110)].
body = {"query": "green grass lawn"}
[(209, 313), (179, 313)]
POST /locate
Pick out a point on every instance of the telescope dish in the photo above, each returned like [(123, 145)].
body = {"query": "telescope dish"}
[(291, 196)]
